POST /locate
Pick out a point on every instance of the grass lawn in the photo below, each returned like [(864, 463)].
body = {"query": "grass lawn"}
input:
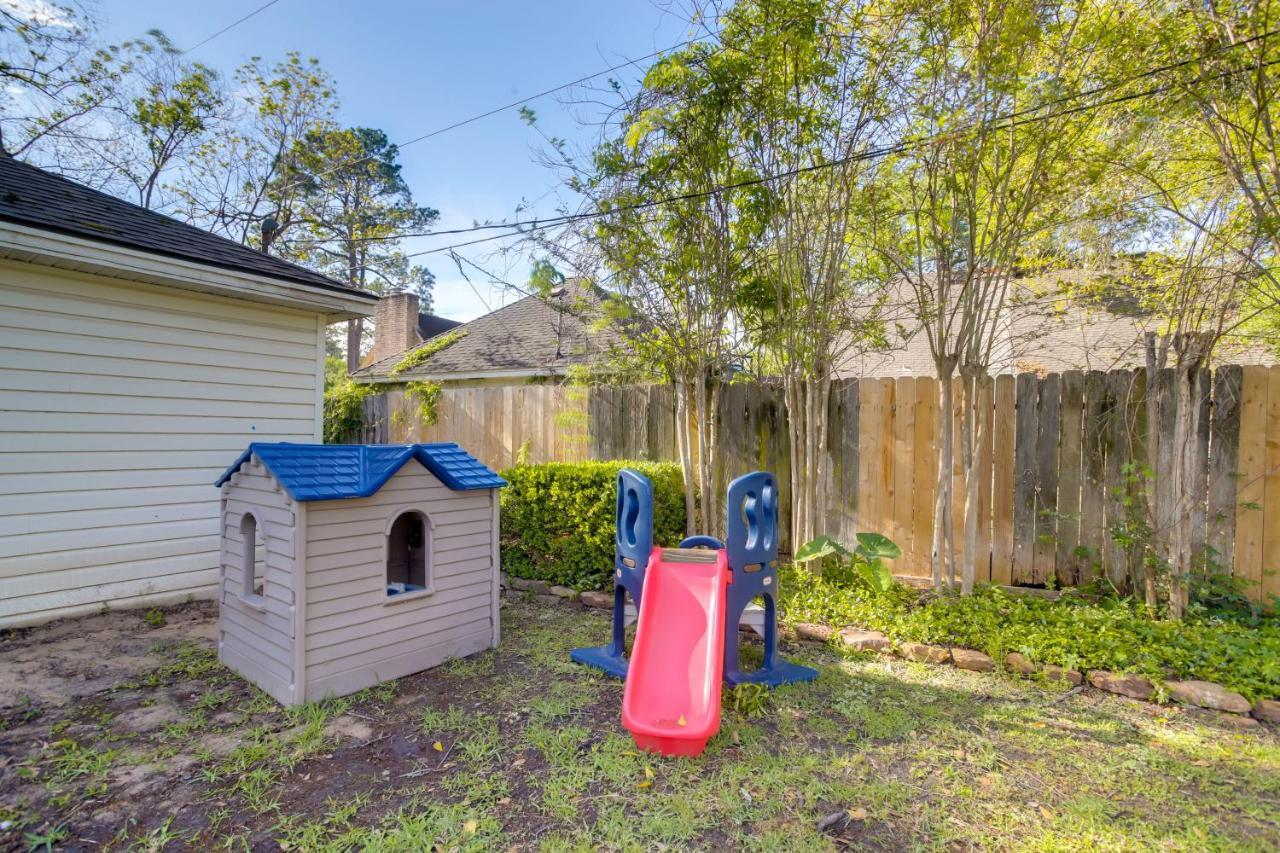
[(519, 748)]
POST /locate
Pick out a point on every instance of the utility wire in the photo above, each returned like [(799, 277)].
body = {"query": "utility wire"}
[(1004, 122), (536, 224), (495, 110), (231, 26)]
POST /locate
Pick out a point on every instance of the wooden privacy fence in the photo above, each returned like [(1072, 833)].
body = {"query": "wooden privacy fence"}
[(1060, 464)]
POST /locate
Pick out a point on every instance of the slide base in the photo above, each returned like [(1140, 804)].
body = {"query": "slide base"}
[(782, 672), (603, 658)]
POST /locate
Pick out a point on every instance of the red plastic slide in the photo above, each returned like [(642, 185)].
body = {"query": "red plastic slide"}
[(671, 703)]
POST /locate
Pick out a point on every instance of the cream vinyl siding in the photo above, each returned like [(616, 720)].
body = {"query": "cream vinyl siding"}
[(119, 406), (355, 635)]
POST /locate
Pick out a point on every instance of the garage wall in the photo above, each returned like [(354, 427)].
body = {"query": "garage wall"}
[(119, 407)]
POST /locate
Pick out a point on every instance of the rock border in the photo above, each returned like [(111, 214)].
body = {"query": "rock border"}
[(1193, 693)]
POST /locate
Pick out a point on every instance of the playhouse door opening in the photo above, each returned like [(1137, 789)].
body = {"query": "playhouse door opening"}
[(407, 554)]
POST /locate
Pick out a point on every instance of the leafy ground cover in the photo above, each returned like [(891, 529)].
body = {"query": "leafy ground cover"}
[(520, 748), (1242, 654)]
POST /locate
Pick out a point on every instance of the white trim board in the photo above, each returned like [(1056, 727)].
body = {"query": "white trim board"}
[(34, 245)]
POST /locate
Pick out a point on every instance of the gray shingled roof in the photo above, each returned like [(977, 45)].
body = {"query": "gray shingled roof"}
[(429, 325), (535, 335), (1043, 331), (39, 199)]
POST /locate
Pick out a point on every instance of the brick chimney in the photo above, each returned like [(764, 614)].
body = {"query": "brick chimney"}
[(395, 325)]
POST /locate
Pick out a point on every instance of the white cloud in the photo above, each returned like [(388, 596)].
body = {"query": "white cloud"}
[(39, 13)]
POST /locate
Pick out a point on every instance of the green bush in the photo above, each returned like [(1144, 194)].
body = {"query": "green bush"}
[(558, 519), (344, 413), (1242, 655)]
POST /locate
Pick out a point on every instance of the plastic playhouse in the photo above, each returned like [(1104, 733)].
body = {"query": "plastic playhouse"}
[(690, 601), (346, 565)]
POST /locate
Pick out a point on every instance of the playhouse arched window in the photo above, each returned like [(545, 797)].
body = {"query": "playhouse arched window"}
[(408, 553), (253, 558)]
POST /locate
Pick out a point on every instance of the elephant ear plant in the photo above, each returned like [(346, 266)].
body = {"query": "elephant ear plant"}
[(866, 560)]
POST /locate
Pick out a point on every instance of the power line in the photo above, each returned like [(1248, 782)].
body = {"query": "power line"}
[(495, 110), (539, 224), (1004, 122), (264, 7)]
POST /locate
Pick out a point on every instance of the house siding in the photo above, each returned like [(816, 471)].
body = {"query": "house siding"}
[(356, 636), (119, 406)]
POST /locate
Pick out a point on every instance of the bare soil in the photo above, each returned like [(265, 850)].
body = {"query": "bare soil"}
[(120, 733)]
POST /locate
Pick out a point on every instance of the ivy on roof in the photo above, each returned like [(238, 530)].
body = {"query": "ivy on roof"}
[(416, 357)]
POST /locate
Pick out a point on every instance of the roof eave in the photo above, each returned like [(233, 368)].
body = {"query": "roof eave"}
[(63, 251)]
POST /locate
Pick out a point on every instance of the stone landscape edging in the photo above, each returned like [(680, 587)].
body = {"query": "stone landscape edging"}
[(1193, 693)]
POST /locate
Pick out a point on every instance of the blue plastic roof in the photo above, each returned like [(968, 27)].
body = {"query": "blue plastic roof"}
[(327, 472)]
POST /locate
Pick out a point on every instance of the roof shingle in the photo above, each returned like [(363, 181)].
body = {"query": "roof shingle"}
[(536, 334), (39, 199), (326, 472)]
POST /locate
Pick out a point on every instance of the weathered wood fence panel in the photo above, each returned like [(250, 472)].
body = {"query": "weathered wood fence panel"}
[(1060, 459)]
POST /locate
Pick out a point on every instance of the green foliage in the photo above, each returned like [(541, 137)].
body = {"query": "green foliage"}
[(425, 395), (544, 277), (749, 700), (1118, 635), (865, 562), (416, 357), (344, 408), (558, 519), (355, 205)]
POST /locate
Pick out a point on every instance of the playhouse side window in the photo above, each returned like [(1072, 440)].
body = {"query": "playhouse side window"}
[(408, 553), (253, 558)]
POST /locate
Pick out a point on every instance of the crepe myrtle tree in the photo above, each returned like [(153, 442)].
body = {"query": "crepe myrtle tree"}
[(980, 169), (806, 122), (680, 264)]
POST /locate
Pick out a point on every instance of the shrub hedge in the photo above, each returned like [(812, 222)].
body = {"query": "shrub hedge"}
[(558, 518), (1073, 632)]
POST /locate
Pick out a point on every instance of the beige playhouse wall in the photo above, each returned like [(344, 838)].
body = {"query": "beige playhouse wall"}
[(257, 641), (356, 635)]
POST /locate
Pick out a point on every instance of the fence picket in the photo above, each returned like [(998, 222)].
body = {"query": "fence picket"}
[(1269, 582), (1003, 429), (1224, 438), (1024, 485), (1054, 465), (904, 428), (1093, 492), (924, 478), (1068, 563)]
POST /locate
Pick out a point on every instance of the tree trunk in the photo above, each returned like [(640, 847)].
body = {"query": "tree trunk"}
[(942, 504), (355, 331), (1186, 428), (795, 421), (1162, 489), (706, 501), (715, 528), (686, 459)]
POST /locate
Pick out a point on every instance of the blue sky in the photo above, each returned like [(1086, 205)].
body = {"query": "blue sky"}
[(410, 68)]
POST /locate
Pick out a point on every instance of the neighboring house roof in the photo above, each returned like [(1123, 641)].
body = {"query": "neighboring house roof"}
[(326, 472), (534, 336), (429, 325), (33, 197), (1043, 329)]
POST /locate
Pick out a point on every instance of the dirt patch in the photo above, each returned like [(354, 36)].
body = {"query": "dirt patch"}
[(519, 748), (148, 718), (57, 664)]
